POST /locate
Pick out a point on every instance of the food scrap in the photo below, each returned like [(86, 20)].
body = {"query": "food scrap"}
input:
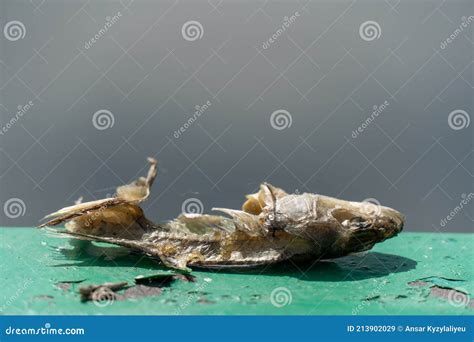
[(272, 226)]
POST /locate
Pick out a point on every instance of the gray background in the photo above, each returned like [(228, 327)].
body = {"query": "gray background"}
[(320, 70)]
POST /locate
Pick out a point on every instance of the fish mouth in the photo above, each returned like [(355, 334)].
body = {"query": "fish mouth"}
[(380, 218), (395, 219)]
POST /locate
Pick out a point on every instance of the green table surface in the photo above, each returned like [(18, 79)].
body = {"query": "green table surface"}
[(378, 283)]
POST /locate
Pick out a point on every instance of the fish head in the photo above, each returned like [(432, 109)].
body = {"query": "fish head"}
[(323, 218), (365, 215)]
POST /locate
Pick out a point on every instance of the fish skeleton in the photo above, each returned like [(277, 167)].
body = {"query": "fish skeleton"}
[(271, 227)]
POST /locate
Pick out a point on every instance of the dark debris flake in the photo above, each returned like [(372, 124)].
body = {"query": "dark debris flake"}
[(65, 285)]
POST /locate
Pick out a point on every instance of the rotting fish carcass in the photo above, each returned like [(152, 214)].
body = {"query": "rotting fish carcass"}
[(272, 226)]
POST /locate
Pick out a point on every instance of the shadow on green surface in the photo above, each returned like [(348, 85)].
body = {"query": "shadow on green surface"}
[(349, 268), (86, 253)]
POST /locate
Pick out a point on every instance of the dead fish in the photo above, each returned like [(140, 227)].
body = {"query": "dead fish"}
[(271, 227)]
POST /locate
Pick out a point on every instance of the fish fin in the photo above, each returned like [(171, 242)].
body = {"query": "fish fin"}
[(147, 248), (200, 224), (132, 194), (139, 190), (68, 213), (245, 222), (175, 263), (257, 201), (81, 236)]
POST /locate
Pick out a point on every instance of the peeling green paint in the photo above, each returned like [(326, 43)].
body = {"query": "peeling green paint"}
[(33, 264)]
